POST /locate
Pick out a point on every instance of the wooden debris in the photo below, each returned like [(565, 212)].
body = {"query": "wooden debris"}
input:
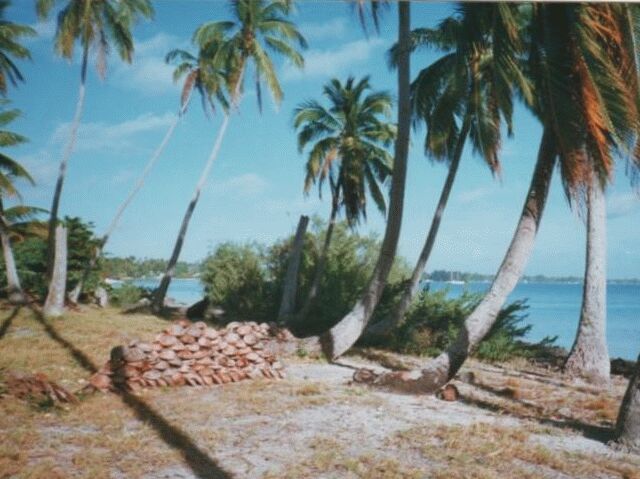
[(38, 387), (194, 354)]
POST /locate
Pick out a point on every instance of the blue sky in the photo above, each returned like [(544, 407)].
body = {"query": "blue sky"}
[(255, 190)]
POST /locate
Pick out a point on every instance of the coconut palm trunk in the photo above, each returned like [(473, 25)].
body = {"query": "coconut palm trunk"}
[(444, 367), (589, 357), (628, 424), (14, 289), (288, 303), (77, 290), (413, 285), (54, 304), (53, 219), (161, 292), (322, 260), (344, 334)]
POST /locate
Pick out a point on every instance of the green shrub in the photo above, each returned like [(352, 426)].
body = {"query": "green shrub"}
[(247, 280), (127, 294), (434, 321), (31, 259)]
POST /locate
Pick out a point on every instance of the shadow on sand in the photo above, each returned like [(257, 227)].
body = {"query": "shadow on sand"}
[(6, 324), (203, 466), (598, 433)]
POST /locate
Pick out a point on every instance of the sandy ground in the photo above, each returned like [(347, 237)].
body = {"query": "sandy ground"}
[(513, 421)]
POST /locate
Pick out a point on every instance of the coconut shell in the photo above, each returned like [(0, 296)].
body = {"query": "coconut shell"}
[(253, 357), (178, 346), (193, 347), (250, 339), (175, 330), (130, 372), (161, 365), (244, 330), (194, 331), (185, 354), (101, 382), (200, 325), (167, 355), (204, 342), (152, 375), (145, 347), (232, 325), (229, 350), (175, 362), (232, 338), (132, 355), (187, 339), (211, 333), (185, 323), (167, 340)]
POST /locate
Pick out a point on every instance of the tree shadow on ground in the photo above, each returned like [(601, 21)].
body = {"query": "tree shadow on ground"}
[(590, 431), (203, 466), (6, 324)]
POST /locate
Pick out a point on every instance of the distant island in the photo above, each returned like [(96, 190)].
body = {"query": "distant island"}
[(131, 267), (456, 276)]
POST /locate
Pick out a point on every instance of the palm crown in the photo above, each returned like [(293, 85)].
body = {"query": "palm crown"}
[(10, 170), (474, 80), (350, 140), (11, 49), (205, 73), (96, 23), (584, 65), (259, 26)]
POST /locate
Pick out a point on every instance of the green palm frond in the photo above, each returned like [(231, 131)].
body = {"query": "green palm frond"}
[(348, 141)]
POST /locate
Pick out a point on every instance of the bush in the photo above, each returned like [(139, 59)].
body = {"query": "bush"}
[(247, 280), (31, 259), (434, 321), (127, 294)]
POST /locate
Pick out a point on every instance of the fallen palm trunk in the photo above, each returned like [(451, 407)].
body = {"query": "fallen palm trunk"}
[(196, 355)]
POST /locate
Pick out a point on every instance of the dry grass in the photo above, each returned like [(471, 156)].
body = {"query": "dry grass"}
[(192, 428), (484, 450)]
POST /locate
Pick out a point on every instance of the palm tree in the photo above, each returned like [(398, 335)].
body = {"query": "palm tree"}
[(455, 96), (199, 75), (92, 23), (349, 151), (346, 332), (10, 171), (628, 424), (10, 49), (258, 26), (582, 60)]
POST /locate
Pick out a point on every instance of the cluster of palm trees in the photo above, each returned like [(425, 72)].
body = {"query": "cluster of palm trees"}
[(575, 66)]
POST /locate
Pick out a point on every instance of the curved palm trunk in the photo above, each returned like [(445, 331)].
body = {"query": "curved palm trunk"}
[(53, 219), (288, 303), (14, 289), (77, 291), (383, 327), (161, 292), (628, 424), (589, 357), (54, 304), (443, 368), (317, 277), (344, 334)]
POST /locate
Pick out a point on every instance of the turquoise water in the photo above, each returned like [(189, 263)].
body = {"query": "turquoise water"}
[(554, 309)]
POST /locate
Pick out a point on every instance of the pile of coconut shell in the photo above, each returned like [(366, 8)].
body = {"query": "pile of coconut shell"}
[(194, 354)]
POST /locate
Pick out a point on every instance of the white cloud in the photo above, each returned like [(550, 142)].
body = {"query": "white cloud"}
[(470, 196), (41, 165), (332, 29), (327, 63), (148, 73), (622, 204), (247, 185), (99, 135)]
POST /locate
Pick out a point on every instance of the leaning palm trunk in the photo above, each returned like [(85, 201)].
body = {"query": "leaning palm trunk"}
[(14, 290), (77, 291), (288, 303), (53, 219), (443, 368), (344, 334), (161, 293), (317, 277), (589, 357), (413, 285), (54, 305), (628, 424)]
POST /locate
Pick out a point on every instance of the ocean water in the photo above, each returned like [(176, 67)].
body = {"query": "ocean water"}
[(554, 309)]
